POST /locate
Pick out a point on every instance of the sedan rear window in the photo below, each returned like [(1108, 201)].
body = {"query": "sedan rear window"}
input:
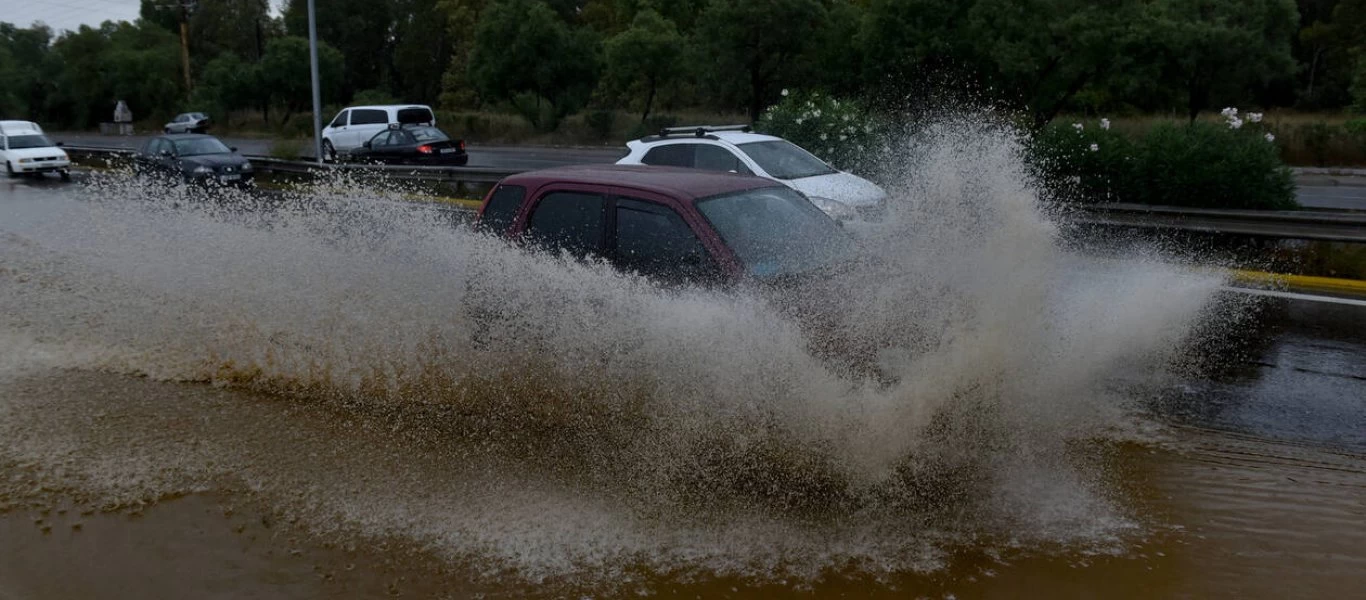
[(775, 231), (428, 134)]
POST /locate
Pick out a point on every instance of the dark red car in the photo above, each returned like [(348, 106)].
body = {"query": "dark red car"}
[(671, 224)]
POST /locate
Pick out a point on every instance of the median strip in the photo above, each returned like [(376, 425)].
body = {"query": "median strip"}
[(1308, 283)]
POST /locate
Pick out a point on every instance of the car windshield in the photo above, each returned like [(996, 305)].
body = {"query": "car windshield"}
[(428, 134), (20, 142), (775, 231), (196, 146), (784, 160)]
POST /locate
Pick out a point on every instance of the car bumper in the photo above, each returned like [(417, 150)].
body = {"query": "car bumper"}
[(221, 179), (47, 166), (448, 160)]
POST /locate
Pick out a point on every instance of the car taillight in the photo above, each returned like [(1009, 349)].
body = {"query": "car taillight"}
[(425, 149), (461, 144)]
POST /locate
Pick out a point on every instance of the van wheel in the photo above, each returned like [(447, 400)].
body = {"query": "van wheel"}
[(329, 153), (166, 131), (66, 175)]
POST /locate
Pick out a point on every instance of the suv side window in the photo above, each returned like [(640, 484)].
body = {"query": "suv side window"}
[(340, 121), (655, 241), (672, 155), (502, 208), (571, 221), (716, 158), (369, 116)]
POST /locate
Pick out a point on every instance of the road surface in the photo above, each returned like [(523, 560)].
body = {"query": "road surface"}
[(488, 156)]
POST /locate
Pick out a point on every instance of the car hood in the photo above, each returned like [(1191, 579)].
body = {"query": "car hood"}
[(47, 152), (843, 187), (213, 160)]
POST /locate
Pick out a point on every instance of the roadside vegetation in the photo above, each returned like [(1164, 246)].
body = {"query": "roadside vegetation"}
[(600, 71)]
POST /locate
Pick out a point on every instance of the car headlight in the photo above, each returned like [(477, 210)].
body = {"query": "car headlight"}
[(836, 209), (202, 170), (25, 161), (246, 167)]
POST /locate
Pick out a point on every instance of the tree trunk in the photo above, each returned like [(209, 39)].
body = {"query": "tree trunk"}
[(649, 99)]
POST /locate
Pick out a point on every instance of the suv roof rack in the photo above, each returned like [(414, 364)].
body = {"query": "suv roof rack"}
[(702, 130)]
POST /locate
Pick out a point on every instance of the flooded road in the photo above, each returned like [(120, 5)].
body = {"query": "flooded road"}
[(197, 403)]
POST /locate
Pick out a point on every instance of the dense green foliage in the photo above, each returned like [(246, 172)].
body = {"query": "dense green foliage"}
[(1201, 164), (545, 59)]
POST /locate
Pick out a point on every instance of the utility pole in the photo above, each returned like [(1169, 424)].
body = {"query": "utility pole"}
[(317, 94), (185, 7)]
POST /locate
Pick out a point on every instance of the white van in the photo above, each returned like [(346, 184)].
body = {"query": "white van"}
[(26, 151), (354, 126)]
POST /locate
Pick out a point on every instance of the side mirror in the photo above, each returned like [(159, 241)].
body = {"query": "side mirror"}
[(366, 145), (60, 144), (233, 148), (166, 153)]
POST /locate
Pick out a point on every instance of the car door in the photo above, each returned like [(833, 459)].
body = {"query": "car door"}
[(568, 219), (398, 146), (337, 128), (365, 123), (651, 239)]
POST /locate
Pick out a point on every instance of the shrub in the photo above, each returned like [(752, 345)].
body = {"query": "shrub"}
[(1317, 137), (289, 149), (1231, 165), (373, 97), (601, 122), (839, 131)]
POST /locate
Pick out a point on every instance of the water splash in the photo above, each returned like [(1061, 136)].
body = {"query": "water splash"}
[(997, 349)]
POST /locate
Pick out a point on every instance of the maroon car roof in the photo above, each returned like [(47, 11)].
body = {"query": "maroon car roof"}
[(672, 181)]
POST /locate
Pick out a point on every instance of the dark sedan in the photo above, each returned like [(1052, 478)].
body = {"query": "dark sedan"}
[(413, 145), (193, 159)]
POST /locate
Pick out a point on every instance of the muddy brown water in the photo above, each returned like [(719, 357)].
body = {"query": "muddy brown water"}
[(144, 454)]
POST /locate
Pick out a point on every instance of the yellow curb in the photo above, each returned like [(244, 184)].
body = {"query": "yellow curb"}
[(1301, 282)]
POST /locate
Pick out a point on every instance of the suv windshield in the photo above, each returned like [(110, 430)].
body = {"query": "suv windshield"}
[(785, 160), (20, 142), (775, 231), (196, 146)]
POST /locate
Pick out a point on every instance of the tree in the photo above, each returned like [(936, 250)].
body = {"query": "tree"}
[(758, 39), (526, 55), (241, 27), (422, 50), (644, 57), (27, 68), (285, 73), (228, 83), (363, 28), (462, 17), (1217, 49)]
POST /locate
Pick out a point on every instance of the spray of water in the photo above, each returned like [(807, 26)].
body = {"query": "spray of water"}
[(684, 428)]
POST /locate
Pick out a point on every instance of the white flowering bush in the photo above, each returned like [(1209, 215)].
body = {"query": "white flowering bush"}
[(1232, 164), (842, 132)]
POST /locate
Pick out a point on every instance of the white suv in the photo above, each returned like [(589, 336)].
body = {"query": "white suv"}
[(354, 126), (734, 148), (25, 150)]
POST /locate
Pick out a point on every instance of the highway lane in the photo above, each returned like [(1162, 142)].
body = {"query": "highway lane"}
[(1332, 197), (486, 156)]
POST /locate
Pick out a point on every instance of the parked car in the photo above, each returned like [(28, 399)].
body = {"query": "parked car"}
[(737, 149), (193, 158), (412, 145), (671, 224), (354, 126), (26, 151), (188, 123)]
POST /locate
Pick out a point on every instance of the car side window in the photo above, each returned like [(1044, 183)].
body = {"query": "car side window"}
[(400, 138), (340, 121), (381, 139), (502, 208), (653, 240), (716, 158), (570, 221), (368, 116), (672, 155)]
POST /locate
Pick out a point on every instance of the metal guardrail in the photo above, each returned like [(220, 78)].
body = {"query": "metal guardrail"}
[(1305, 225)]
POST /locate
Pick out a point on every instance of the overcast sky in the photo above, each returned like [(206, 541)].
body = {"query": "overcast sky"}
[(70, 14)]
